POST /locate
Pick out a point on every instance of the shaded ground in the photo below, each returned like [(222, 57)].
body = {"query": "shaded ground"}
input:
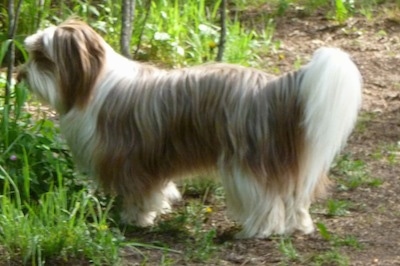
[(372, 216)]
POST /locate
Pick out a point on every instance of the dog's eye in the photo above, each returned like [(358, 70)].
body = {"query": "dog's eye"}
[(36, 49), (39, 55), (42, 60)]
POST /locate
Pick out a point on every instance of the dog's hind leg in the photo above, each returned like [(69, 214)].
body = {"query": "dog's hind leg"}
[(312, 184), (298, 217), (260, 210)]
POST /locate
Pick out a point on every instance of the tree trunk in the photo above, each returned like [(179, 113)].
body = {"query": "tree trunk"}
[(128, 9), (12, 27), (222, 36)]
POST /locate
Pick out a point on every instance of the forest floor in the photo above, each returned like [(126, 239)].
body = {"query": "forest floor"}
[(361, 214)]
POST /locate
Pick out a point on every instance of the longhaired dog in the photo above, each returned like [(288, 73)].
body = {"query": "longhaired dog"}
[(135, 127)]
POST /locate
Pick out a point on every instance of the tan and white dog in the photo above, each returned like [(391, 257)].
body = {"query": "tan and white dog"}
[(135, 127)]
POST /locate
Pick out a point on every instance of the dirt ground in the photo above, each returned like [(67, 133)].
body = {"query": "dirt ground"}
[(374, 216), (375, 46)]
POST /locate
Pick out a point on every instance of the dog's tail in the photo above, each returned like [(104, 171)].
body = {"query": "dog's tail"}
[(330, 90)]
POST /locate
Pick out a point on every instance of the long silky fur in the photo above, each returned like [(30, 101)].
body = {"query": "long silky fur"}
[(136, 127)]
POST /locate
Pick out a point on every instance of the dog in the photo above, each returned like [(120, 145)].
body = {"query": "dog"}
[(135, 127)]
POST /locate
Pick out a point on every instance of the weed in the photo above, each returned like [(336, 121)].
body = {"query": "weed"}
[(335, 240), (354, 172), (57, 226), (203, 187), (363, 120), (341, 12), (283, 5), (367, 13), (387, 152), (288, 250), (189, 226), (333, 256), (202, 246), (330, 257), (323, 231), (392, 153), (337, 207), (349, 241)]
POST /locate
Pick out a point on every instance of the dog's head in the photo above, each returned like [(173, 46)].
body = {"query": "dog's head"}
[(64, 63)]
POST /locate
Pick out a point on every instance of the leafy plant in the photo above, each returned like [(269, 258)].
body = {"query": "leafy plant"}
[(202, 246), (337, 207), (202, 187), (333, 256), (288, 250), (354, 173), (59, 226), (330, 257), (341, 11), (189, 227)]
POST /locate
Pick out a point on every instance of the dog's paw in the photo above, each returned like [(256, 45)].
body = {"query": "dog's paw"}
[(306, 228), (142, 219), (171, 192), (165, 207), (305, 224)]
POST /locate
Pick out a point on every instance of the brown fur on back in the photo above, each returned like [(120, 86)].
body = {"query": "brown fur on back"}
[(162, 124)]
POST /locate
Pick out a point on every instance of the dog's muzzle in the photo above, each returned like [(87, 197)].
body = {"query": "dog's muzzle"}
[(21, 73)]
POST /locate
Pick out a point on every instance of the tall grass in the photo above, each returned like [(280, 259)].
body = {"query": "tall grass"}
[(180, 33), (59, 226)]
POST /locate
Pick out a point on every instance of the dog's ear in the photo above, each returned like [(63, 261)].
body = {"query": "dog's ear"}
[(79, 54)]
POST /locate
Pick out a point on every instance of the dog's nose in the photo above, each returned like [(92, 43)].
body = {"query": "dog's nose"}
[(21, 74)]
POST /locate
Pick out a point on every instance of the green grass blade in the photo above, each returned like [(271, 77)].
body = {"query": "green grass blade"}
[(26, 174)]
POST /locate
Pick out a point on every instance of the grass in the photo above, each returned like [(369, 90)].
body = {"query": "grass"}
[(190, 228), (354, 174), (388, 153), (333, 254), (330, 252), (206, 188), (363, 120), (335, 240), (330, 257), (288, 250), (59, 226), (337, 207)]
